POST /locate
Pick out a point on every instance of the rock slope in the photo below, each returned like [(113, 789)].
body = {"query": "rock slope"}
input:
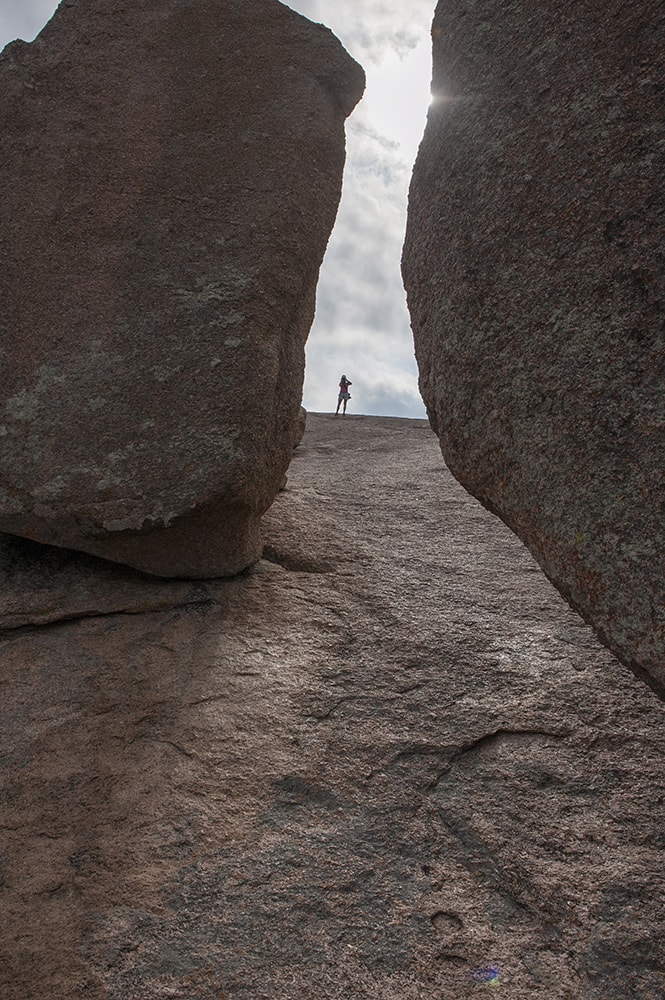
[(535, 269), (169, 178), (389, 763)]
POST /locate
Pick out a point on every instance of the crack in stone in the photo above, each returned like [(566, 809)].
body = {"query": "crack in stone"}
[(453, 755), (320, 716), (169, 743), (10, 634)]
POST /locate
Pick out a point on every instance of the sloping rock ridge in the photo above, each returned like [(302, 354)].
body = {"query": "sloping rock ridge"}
[(169, 180), (535, 269), (391, 763)]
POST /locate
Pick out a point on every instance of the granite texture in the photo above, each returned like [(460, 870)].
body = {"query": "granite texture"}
[(535, 268), (390, 763)]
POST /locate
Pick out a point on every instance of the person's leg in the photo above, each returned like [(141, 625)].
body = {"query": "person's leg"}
[(344, 410)]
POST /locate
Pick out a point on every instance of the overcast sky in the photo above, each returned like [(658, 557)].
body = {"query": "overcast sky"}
[(362, 326)]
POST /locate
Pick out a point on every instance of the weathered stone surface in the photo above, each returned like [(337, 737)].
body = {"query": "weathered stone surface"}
[(535, 270), (378, 771), (169, 177), (42, 584)]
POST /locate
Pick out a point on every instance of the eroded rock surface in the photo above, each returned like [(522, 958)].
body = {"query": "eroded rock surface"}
[(169, 178), (44, 584), (390, 763), (535, 268)]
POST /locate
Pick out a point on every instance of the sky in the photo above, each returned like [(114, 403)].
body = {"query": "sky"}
[(361, 328)]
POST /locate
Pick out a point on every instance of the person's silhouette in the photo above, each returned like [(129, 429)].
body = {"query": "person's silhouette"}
[(344, 395)]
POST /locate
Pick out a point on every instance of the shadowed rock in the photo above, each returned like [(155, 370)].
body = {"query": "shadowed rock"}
[(43, 584), (535, 271), (169, 179)]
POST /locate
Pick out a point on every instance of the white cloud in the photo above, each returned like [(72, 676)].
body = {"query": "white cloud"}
[(23, 18), (362, 324), (368, 28)]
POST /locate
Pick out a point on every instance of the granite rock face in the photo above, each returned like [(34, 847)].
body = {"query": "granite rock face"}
[(169, 179), (389, 763), (535, 269)]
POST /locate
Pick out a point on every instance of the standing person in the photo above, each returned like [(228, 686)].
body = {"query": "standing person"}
[(344, 395)]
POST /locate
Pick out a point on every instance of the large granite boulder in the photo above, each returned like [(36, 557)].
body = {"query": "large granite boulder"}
[(169, 179), (534, 263)]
